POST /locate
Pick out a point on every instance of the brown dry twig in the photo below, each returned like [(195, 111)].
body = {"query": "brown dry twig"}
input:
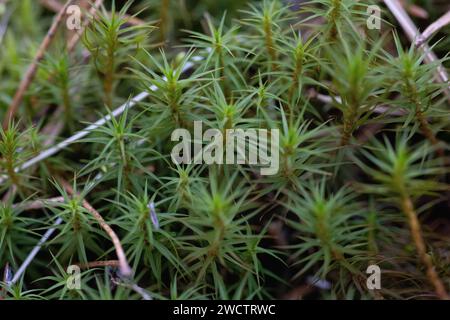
[(55, 127), (95, 264), (31, 71), (124, 267)]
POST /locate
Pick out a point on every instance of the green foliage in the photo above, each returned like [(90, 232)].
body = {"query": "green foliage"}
[(363, 148), (16, 235), (332, 226), (111, 41)]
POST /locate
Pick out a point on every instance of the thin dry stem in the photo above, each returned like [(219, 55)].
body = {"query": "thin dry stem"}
[(95, 264), (32, 69), (34, 252), (379, 109), (124, 267), (428, 133), (133, 286), (433, 28), (53, 128), (80, 134), (10, 194), (38, 204), (368, 132), (412, 33)]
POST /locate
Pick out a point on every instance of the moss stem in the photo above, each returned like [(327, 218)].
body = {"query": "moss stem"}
[(417, 237)]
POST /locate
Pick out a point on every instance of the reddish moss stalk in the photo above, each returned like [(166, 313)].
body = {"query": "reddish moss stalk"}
[(349, 122), (423, 122), (334, 17), (427, 132), (298, 56), (269, 41), (416, 235)]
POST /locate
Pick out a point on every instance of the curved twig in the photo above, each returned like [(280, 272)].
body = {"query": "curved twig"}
[(124, 267), (432, 28), (412, 33), (32, 69)]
